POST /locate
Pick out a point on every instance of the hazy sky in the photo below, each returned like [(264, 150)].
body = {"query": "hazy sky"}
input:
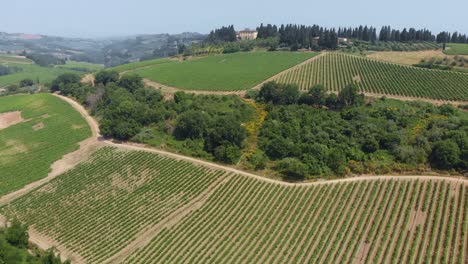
[(95, 18)]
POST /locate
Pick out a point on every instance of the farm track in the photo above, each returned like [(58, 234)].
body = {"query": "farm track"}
[(146, 235), (90, 145)]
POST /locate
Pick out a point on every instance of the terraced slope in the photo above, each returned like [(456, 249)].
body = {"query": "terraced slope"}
[(336, 70), (50, 129), (104, 204)]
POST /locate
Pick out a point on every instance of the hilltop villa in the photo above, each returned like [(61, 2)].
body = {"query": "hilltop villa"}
[(247, 34)]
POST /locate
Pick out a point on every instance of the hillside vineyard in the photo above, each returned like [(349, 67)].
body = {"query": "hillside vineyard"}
[(335, 71), (103, 205)]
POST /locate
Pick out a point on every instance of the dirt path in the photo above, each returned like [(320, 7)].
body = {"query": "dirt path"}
[(90, 145), (46, 243), (170, 90), (147, 235), (408, 98)]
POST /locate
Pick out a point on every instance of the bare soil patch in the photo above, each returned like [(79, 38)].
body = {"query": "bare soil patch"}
[(10, 118), (38, 126), (46, 243), (88, 79), (14, 147), (407, 57), (74, 127)]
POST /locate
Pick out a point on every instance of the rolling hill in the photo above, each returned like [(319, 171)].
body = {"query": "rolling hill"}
[(231, 72), (336, 70), (48, 128), (148, 208)]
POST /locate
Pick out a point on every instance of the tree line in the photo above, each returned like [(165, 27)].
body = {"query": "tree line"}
[(316, 37)]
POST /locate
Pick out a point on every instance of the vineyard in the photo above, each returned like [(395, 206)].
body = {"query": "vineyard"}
[(108, 202), (229, 72), (336, 70), (140, 64), (105, 203), (391, 221), (51, 128)]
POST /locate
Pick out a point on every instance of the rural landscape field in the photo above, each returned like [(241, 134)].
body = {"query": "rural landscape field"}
[(280, 143)]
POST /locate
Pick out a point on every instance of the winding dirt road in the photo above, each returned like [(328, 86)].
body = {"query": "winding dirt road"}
[(93, 143)]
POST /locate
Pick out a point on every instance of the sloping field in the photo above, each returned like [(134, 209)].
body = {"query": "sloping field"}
[(231, 72), (336, 70), (139, 207), (140, 64), (407, 58), (50, 129), (249, 221), (14, 59), (104, 204), (456, 49), (81, 66), (34, 72)]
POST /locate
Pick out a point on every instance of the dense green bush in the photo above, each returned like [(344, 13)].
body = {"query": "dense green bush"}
[(14, 247), (378, 137), (205, 125)]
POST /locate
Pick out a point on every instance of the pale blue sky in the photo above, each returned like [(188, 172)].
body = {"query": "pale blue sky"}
[(94, 18)]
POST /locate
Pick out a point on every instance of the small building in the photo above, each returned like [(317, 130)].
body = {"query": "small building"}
[(315, 41), (343, 40), (247, 34)]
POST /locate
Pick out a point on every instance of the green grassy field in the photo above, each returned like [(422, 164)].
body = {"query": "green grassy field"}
[(456, 49), (140, 64), (14, 59), (231, 72), (336, 70), (81, 66), (104, 204), (34, 72), (27, 154)]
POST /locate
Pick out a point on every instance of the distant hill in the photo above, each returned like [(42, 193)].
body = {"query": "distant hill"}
[(108, 51)]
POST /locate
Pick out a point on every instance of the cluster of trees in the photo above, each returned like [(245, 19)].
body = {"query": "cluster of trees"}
[(316, 134), (447, 37), (446, 63), (223, 34), (5, 70), (302, 36), (405, 35), (45, 60), (208, 126), (286, 94), (14, 248)]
